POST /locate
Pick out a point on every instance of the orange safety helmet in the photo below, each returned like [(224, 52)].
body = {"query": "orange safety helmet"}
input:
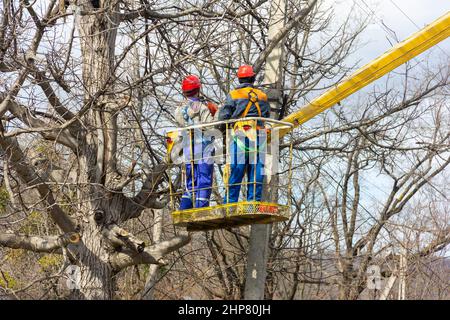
[(245, 71), (190, 83)]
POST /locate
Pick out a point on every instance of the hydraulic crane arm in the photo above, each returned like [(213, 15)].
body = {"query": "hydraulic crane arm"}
[(419, 42)]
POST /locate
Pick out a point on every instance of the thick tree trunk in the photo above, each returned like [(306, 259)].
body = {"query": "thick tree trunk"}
[(97, 36), (96, 272), (105, 248), (347, 287)]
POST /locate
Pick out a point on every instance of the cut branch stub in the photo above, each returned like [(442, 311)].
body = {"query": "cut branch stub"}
[(73, 237), (119, 237)]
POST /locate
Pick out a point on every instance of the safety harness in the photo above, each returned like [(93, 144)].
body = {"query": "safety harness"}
[(248, 127)]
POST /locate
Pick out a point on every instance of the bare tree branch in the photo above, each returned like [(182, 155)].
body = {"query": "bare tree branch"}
[(48, 244)]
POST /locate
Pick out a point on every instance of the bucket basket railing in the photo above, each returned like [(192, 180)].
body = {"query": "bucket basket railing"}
[(250, 144)]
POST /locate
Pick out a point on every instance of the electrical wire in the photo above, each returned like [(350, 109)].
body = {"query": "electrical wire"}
[(412, 21)]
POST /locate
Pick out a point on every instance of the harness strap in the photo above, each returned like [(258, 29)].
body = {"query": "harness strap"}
[(249, 126), (252, 100)]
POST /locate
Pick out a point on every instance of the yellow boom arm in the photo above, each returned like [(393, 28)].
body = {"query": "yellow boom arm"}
[(419, 42)]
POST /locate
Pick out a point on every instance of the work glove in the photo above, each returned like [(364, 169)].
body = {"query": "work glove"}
[(212, 108)]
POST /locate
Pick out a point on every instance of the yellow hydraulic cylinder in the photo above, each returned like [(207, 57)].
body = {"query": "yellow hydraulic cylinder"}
[(404, 51)]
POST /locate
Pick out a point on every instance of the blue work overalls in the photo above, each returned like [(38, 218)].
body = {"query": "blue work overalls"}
[(199, 168), (247, 155)]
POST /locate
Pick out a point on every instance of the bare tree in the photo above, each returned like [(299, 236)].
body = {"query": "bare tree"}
[(366, 170), (87, 89)]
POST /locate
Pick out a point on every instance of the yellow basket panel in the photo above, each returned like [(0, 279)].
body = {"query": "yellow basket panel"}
[(230, 215)]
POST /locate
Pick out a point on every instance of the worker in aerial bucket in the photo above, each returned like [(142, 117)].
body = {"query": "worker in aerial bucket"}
[(197, 151), (248, 137)]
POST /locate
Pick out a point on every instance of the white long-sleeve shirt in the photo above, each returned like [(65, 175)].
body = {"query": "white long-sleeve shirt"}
[(193, 111)]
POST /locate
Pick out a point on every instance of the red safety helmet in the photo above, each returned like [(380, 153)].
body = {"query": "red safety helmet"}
[(245, 71), (190, 83)]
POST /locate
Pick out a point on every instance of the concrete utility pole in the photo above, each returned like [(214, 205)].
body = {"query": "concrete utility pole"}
[(402, 274), (388, 287), (260, 234)]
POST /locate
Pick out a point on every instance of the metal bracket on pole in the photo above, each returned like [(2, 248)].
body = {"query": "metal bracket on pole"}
[(275, 99)]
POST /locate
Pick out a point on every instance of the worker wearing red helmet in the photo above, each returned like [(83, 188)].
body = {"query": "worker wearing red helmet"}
[(246, 101), (199, 173)]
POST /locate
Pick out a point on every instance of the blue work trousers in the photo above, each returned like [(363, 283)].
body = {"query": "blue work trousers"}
[(199, 175), (247, 157)]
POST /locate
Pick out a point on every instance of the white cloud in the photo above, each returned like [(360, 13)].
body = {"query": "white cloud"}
[(421, 12)]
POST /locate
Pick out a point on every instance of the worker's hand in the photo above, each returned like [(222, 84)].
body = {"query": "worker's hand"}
[(194, 109)]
